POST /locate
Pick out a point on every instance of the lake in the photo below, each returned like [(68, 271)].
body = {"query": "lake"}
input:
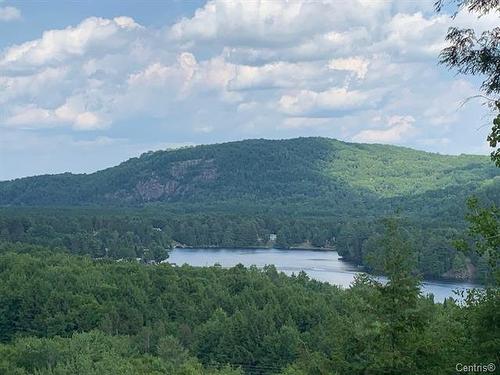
[(319, 265)]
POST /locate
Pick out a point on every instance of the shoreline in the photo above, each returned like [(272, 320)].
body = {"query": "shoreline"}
[(255, 248), (444, 280)]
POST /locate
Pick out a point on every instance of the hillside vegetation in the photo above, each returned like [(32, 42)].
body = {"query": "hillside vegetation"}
[(305, 168), (309, 191)]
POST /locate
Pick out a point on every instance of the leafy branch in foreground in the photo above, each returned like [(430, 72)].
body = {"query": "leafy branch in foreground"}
[(477, 54)]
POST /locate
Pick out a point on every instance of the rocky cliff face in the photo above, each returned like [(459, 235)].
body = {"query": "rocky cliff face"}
[(153, 189), (463, 273), (183, 176)]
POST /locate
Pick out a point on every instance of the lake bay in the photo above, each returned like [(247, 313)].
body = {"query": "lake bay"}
[(318, 264)]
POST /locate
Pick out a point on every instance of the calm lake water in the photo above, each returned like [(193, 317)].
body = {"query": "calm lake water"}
[(319, 265)]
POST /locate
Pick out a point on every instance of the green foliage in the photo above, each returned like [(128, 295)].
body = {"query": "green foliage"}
[(400, 319), (494, 139), (483, 235), (148, 233), (95, 353), (477, 55), (314, 171), (100, 236), (62, 314), (311, 192), (484, 318)]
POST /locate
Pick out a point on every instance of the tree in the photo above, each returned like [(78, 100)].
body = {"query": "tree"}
[(480, 55), (283, 239), (484, 230), (393, 334), (473, 54), (171, 350)]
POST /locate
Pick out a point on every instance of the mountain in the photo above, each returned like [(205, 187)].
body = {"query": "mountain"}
[(308, 191), (315, 171)]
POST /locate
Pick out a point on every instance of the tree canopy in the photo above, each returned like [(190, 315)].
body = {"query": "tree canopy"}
[(476, 54)]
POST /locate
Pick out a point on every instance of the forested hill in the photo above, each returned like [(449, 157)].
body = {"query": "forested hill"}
[(309, 191), (304, 171)]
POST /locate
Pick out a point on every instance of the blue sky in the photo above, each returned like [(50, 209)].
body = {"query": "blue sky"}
[(86, 85)]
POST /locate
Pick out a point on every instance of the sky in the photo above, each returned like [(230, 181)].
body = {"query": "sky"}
[(87, 85)]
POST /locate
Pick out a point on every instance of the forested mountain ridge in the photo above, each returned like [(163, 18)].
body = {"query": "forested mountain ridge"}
[(315, 192), (303, 169)]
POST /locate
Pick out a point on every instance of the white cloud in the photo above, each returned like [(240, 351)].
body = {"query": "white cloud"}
[(184, 73), (275, 75), (71, 112), (311, 102), (398, 127), (27, 116), (159, 87), (485, 22), (445, 109), (75, 113), (31, 87), (9, 13), (262, 31), (111, 69), (177, 76), (315, 47), (357, 65), (247, 106), (304, 123), (245, 69), (249, 22), (414, 35), (101, 35)]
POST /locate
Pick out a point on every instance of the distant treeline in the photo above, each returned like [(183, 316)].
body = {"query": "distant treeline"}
[(315, 192), (149, 234)]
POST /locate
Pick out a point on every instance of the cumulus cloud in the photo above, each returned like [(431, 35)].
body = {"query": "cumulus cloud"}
[(307, 102), (314, 47), (262, 31), (32, 117), (25, 116), (414, 35), (397, 128), (93, 35), (9, 13), (252, 22), (73, 111), (28, 87), (279, 74), (356, 65), (178, 75), (244, 69), (159, 87)]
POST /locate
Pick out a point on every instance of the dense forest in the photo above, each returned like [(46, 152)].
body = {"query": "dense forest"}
[(348, 177), (310, 192), (85, 288), (148, 234), (66, 314), (83, 292)]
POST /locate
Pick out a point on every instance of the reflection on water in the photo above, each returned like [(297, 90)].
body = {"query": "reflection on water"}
[(319, 265)]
